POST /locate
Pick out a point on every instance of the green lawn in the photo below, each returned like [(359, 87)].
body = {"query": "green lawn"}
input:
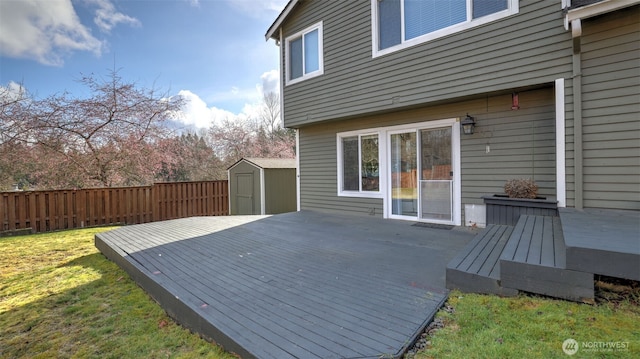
[(487, 326), (59, 297)]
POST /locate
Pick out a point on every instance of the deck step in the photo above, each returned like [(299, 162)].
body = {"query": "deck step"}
[(602, 241), (476, 268), (534, 260)]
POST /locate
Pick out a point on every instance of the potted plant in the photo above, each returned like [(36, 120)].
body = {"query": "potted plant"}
[(520, 197), (521, 188)]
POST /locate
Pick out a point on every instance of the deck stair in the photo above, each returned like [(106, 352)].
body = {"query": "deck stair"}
[(476, 268), (530, 256), (534, 260)]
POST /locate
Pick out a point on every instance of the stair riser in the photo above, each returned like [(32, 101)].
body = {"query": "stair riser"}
[(474, 283), (551, 281), (627, 265)]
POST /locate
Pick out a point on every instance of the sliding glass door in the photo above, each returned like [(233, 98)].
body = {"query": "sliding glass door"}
[(404, 180), (436, 175), (421, 183)]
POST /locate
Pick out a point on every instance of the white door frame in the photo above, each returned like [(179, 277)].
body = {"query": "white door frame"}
[(455, 154)]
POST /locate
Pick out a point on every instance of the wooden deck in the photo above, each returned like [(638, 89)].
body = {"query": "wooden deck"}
[(296, 285), (555, 256), (604, 242), (534, 261), (529, 256), (477, 267)]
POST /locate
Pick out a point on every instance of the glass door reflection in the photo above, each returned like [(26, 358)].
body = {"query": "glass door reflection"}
[(404, 174)]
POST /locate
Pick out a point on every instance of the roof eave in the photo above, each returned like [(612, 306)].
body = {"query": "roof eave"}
[(272, 32), (596, 9)]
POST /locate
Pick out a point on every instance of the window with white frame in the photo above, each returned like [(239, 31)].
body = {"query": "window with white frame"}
[(304, 54), (359, 163), (401, 23)]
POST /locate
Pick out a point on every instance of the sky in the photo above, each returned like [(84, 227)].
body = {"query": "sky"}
[(212, 52)]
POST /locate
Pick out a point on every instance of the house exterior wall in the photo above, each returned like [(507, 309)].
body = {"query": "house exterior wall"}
[(521, 144), (526, 49), (610, 69), (280, 190), (443, 78)]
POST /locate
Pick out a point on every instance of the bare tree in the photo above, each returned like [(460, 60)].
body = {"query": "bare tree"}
[(15, 121), (233, 138), (270, 113), (105, 139), (15, 110), (189, 158), (239, 137)]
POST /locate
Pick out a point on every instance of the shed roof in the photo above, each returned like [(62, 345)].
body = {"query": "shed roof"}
[(269, 162)]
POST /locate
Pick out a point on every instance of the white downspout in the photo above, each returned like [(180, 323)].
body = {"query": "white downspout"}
[(561, 179)]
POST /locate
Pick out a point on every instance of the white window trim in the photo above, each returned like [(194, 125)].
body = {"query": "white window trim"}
[(513, 8), (288, 39), (359, 193), (457, 185), (384, 155)]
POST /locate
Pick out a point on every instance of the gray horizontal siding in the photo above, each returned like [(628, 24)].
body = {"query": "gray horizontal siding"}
[(522, 145), (611, 108), (529, 48), (318, 175)]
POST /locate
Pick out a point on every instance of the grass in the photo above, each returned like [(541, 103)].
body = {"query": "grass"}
[(528, 326), (59, 297)]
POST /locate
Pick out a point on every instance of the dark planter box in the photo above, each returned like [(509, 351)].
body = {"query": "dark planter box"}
[(504, 210)]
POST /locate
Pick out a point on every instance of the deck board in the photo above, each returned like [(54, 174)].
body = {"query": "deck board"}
[(491, 264), (530, 265), (603, 241), (299, 285), (547, 249), (476, 268)]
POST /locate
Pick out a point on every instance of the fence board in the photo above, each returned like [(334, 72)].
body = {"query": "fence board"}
[(43, 211)]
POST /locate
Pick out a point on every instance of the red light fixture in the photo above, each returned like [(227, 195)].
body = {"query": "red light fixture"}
[(515, 102)]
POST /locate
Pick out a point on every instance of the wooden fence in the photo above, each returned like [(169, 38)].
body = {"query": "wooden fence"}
[(42, 211)]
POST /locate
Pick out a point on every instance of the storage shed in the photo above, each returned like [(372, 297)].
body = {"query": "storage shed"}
[(262, 186)]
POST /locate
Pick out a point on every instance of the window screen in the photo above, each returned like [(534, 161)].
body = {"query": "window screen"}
[(389, 23), (488, 7), (369, 163), (425, 16), (350, 174), (295, 58)]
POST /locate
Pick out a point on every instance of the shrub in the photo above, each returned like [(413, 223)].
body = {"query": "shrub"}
[(521, 188)]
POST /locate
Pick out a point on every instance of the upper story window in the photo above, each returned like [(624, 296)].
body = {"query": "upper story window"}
[(304, 54), (399, 24)]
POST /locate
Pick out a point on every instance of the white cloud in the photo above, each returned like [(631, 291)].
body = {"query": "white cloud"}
[(43, 30), (258, 9), (194, 3), (107, 17), (46, 31), (198, 114), (270, 81), (13, 91)]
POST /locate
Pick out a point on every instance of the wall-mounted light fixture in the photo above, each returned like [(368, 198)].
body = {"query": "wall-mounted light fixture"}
[(515, 101), (467, 125)]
